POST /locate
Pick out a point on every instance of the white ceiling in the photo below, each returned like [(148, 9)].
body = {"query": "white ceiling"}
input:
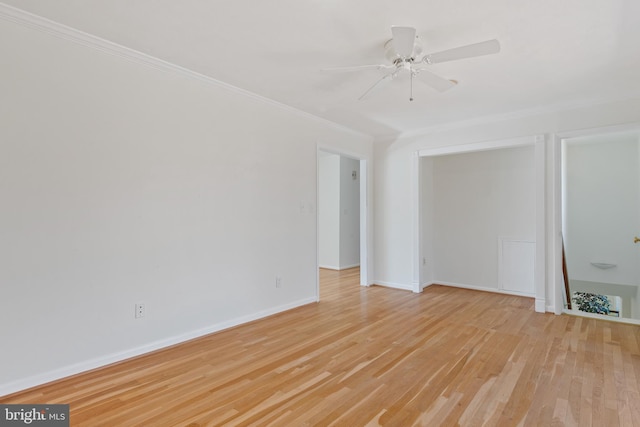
[(555, 53)]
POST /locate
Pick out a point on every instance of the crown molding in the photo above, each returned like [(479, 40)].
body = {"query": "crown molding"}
[(64, 32), (514, 115), (480, 146)]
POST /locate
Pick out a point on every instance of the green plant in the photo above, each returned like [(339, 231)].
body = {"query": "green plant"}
[(591, 303)]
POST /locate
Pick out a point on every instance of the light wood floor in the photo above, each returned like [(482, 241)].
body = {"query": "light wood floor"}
[(375, 356)]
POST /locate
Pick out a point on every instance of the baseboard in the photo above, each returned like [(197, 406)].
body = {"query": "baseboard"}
[(482, 288), (336, 268), (346, 267), (78, 368), (393, 285), (426, 285)]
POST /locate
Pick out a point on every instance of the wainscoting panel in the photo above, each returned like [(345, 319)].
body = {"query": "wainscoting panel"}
[(516, 259)]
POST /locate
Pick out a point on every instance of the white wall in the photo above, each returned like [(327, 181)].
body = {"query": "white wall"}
[(329, 210), (426, 222), (393, 180), (339, 211), (479, 198), (349, 213), (121, 183)]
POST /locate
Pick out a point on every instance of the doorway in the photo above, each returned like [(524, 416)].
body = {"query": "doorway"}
[(601, 222), (522, 249), (342, 216)]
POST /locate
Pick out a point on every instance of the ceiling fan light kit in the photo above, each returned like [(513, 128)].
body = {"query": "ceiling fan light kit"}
[(404, 51)]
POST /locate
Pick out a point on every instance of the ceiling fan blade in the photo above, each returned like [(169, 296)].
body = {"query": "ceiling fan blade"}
[(356, 68), (477, 49), (385, 78), (403, 40), (436, 82)]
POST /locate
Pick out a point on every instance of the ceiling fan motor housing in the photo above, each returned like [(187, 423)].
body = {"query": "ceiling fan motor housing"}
[(392, 56)]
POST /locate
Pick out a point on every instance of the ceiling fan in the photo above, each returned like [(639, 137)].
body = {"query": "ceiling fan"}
[(404, 52)]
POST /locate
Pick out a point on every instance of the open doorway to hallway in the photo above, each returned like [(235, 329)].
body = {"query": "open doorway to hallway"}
[(334, 282), (339, 211), (601, 222)]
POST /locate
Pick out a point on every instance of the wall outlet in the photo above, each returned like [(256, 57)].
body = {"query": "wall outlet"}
[(139, 311), (424, 261), (278, 282)]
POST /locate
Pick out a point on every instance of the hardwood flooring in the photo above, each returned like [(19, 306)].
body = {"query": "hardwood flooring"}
[(375, 356)]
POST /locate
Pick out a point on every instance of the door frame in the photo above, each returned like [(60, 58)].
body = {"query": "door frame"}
[(539, 143), (558, 211), (365, 222)]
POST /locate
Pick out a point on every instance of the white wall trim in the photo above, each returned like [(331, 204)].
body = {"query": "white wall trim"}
[(599, 130), (481, 288), (415, 222), (539, 143), (366, 222), (521, 114), (540, 272), (394, 285), (99, 362), (557, 285), (477, 146), (426, 285), (64, 32), (556, 274), (346, 267), (338, 268)]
